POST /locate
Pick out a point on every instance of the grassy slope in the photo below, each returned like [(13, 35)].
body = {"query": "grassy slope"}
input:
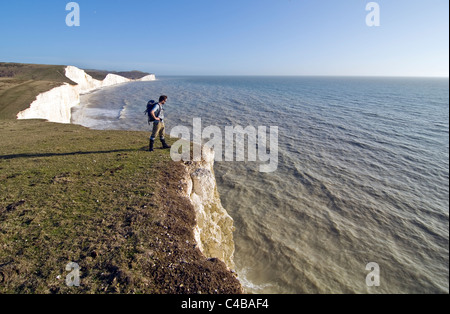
[(21, 83), (97, 198), (54, 73)]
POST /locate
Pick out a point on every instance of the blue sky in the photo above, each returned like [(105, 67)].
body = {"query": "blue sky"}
[(232, 37)]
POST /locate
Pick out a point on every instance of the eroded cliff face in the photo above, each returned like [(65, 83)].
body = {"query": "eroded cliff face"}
[(214, 229), (150, 77), (56, 104)]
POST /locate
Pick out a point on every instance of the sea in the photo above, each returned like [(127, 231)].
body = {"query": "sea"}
[(359, 201)]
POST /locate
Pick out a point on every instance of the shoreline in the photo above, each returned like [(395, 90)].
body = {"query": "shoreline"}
[(56, 104)]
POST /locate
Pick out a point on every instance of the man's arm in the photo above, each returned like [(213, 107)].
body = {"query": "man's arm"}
[(154, 116), (152, 113)]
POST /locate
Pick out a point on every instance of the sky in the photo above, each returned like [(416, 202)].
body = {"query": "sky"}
[(232, 37)]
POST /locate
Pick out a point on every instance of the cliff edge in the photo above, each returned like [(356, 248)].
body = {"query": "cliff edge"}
[(98, 199), (56, 104), (214, 229), (134, 222)]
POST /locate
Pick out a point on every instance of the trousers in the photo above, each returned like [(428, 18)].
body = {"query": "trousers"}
[(159, 130)]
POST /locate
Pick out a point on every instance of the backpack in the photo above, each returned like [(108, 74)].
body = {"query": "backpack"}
[(150, 105)]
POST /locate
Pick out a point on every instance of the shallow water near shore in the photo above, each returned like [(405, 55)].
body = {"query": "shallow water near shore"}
[(362, 176)]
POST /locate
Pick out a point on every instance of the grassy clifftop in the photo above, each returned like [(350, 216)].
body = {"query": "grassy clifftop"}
[(36, 72), (98, 199), (21, 83)]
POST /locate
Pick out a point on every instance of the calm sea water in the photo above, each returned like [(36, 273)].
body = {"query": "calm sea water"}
[(363, 175)]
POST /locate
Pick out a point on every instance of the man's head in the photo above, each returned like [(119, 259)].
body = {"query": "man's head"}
[(163, 99)]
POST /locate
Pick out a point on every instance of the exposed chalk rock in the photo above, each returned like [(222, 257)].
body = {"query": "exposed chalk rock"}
[(113, 79), (214, 229), (150, 77), (85, 82), (56, 105), (203, 184)]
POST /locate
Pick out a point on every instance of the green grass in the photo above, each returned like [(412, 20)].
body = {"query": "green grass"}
[(96, 198), (19, 95), (21, 83), (36, 72)]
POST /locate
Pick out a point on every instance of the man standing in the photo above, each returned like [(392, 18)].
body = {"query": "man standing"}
[(159, 129)]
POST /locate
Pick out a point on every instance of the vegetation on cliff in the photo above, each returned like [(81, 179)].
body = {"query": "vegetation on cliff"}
[(101, 75), (98, 199), (21, 83)]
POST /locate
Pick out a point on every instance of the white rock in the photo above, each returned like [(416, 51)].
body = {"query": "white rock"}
[(203, 184), (85, 82), (214, 229), (113, 79), (56, 105), (150, 77), (208, 155)]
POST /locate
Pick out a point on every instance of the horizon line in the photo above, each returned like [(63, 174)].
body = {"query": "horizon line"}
[(251, 75), (306, 75)]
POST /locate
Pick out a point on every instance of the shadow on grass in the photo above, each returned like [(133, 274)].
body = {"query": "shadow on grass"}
[(43, 155)]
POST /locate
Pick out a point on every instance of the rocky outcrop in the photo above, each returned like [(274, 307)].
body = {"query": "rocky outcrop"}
[(87, 83), (56, 104), (214, 229), (150, 77)]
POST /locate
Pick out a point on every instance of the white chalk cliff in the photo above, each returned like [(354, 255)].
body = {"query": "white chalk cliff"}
[(214, 229), (56, 104)]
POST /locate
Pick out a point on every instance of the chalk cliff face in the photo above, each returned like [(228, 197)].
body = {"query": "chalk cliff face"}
[(86, 83), (56, 104), (150, 77), (214, 230)]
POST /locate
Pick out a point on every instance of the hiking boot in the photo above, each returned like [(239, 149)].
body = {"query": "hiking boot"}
[(164, 144), (152, 143)]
